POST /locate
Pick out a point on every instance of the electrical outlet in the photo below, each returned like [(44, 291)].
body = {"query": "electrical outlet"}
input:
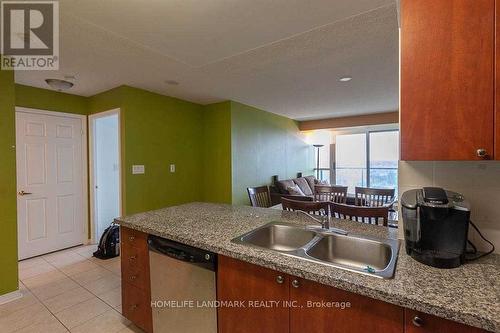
[(138, 169), (172, 168)]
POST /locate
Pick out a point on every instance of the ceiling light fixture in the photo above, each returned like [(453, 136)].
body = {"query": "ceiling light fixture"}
[(58, 84), (345, 79)]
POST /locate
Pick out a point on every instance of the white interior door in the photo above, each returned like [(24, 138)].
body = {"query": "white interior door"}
[(50, 204), (106, 157)]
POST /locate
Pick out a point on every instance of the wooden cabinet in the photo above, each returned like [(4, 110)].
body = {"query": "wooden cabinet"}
[(136, 292), (447, 80), (310, 306), (301, 308), (497, 81), (241, 282), (417, 322), (325, 309)]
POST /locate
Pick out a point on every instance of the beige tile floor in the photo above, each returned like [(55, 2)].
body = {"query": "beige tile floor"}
[(67, 291)]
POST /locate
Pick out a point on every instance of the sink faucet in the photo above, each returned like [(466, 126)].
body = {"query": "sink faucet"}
[(324, 220)]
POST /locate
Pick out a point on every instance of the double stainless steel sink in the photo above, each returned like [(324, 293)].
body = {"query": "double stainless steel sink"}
[(356, 253)]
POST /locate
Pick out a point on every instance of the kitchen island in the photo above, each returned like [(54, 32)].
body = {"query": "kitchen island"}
[(469, 294)]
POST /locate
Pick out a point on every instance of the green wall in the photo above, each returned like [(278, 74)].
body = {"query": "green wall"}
[(8, 212), (156, 131), (264, 144), (217, 153), (36, 98), (219, 150), (160, 131)]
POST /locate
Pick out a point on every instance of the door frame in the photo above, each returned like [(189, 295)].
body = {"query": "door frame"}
[(93, 211), (83, 118)]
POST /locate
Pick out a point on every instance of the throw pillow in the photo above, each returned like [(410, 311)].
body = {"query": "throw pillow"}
[(282, 185), (304, 186), (295, 190)]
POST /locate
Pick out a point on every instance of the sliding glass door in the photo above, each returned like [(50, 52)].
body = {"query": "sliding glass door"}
[(383, 159), (368, 159), (351, 160)]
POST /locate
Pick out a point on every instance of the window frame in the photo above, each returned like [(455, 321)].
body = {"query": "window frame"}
[(367, 133)]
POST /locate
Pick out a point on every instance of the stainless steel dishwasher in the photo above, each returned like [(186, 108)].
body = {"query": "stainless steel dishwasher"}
[(183, 287)]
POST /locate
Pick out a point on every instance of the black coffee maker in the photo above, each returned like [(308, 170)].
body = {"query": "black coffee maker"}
[(436, 223)]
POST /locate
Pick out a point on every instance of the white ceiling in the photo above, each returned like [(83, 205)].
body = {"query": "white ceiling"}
[(283, 56)]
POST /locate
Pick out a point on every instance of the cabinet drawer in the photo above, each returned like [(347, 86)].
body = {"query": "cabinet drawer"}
[(136, 306), (133, 238), (135, 267)]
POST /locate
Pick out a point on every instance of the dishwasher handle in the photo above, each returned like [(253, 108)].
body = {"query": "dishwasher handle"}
[(182, 252), (176, 254)]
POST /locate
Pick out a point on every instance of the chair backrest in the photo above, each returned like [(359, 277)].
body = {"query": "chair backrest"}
[(336, 194), (371, 215), (374, 197), (311, 207), (259, 196)]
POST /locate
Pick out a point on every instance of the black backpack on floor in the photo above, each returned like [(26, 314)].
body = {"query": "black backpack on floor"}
[(109, 244)]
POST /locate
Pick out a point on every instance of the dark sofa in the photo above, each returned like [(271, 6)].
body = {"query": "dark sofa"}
[(279, 189)]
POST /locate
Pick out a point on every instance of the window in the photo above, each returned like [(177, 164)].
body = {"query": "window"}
[(350, 160), (367, 159)]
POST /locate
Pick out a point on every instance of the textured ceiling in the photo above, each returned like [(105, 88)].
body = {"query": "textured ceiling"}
[(284, 56)]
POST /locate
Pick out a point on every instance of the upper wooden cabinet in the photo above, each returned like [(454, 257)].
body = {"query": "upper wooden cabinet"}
[(448, 80)]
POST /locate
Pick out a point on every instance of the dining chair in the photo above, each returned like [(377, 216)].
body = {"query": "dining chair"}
[(336, 194), (259, 196), (374, 197), (311, 207), (371, 215)]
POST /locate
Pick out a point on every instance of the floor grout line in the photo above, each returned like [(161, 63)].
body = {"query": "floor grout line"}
[(80, 285), (45, 306)]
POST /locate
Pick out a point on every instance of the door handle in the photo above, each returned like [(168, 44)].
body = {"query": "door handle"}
[(21, 193)]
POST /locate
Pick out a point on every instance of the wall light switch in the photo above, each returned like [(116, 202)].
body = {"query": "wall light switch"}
[(138, 169), (172, 168)]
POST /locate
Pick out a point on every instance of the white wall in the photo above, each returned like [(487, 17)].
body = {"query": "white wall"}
[(479, 182), (106, 159)]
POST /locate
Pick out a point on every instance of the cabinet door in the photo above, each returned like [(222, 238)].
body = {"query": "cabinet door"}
[(447, 79), (320, 308), (240, 281), (416, 322), (497, 81)]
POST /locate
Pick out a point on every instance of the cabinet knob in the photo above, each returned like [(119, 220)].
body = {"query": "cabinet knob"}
[(131, 238), (280, 279), (295, 283), (131, 258), (133, 307), (482, 153), (133, 277), (417, 321)]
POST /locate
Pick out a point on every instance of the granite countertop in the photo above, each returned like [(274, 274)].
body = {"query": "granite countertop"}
[(469, 294)]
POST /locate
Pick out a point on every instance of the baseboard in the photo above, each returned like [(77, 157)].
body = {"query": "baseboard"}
[(9, 297)]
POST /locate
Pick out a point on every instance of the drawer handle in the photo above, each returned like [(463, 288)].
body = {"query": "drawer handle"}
[(133, 277), (133, 307), (482, 153), (131, 258), (417, 321), (131, 238), (295, 284), (280, 279)]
